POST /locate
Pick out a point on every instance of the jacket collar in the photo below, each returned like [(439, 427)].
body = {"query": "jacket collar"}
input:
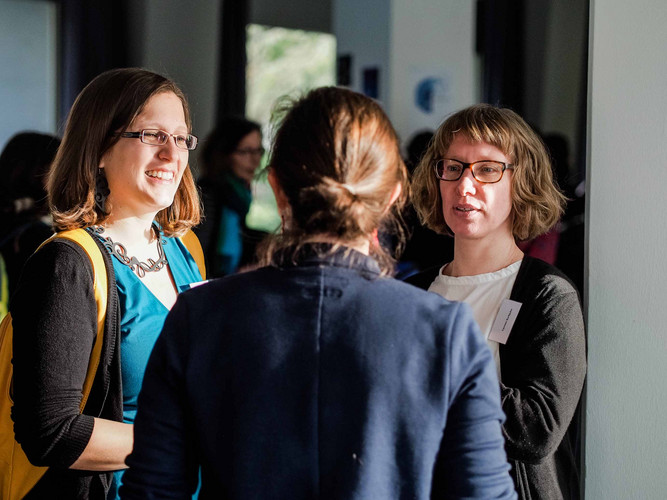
[(326, 254)]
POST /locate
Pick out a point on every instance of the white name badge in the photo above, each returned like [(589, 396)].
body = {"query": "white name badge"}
[(197, 283), (502, 325), (190, 286)]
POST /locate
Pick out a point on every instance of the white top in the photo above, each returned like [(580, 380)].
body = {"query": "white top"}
[(484, 293)]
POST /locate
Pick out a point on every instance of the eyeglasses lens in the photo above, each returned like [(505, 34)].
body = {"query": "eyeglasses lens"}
[(485, 171), (158, 138)]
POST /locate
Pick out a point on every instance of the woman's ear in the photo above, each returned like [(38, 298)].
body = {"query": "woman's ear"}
[(395, 194)]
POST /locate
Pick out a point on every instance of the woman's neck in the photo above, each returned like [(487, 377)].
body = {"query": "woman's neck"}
[(134, 231), (360, 245), (473, 257)]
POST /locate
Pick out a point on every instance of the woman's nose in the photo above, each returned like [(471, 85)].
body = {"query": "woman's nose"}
[(467, 183), (169, 150)]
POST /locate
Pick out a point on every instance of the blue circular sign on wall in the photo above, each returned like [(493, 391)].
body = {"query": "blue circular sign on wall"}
[(427, 92)]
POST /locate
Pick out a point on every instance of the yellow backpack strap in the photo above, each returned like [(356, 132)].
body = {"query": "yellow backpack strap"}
[(101, 290), (191, 242), (4, 289)]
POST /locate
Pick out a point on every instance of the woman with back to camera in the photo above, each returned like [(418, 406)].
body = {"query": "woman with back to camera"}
[(122, 173), (486, 179), (318, 376), (232, 153)]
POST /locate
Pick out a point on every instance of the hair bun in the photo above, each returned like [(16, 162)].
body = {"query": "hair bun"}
[(350, 189), (332, 207)]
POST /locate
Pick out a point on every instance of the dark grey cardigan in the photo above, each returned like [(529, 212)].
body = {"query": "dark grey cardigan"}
[(543, 366)]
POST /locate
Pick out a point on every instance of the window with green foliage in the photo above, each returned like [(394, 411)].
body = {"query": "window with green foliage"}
[(281, 62)]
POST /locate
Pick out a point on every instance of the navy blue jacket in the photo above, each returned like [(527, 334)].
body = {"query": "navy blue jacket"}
[(319, 379)]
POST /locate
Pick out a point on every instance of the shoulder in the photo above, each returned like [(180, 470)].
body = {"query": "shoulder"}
[(551, 303), (419, 310), (59, 277), (538, 278), (59, 270), (59, 254)]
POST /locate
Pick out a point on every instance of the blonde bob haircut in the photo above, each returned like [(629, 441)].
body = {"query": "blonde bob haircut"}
[(537, 202), (104, 108)]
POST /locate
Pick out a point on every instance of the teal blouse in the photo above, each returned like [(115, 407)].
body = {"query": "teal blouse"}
[(142, 318)]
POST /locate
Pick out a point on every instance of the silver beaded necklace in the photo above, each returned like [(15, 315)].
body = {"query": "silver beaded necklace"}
[(140, 268)]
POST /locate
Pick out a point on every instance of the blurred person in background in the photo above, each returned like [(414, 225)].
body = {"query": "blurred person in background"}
[(25, 221), (424, 247), (232, 154)]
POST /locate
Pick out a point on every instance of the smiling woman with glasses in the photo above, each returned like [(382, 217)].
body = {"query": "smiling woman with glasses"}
[(121, 179), (486, 180), (232, 154)]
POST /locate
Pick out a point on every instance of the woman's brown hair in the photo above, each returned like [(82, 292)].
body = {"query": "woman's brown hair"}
[(106, 106), (537, 203), (336, 157)]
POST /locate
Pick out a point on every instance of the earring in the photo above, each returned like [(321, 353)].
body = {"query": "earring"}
[(101, 191)]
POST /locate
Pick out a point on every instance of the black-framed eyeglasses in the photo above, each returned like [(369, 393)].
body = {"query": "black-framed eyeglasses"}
[(250, 151), (156, 137), (486, 171)]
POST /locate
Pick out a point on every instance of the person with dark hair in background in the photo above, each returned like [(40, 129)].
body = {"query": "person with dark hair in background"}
[(122, 175), (318, 376), (424, 247), (486, 179), (232, 153), (570, 254), (24, 213)]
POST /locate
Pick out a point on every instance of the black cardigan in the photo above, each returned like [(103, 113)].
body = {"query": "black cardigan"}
[(543, 366), (55, 325)]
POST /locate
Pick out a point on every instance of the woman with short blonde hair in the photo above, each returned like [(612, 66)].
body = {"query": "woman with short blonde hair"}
[(486, 180)]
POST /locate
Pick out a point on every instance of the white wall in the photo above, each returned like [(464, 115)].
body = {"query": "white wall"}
[(410, 42), (626, 442), (28, 80), (431, 39)]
